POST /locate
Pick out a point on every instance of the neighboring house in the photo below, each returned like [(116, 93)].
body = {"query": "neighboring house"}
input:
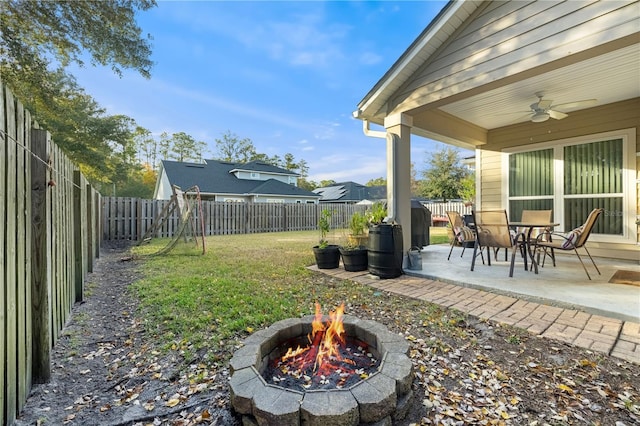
[(350, 193), (225, 181), (548, 96)]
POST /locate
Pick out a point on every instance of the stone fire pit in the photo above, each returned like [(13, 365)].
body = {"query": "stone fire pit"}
[(383, 397)]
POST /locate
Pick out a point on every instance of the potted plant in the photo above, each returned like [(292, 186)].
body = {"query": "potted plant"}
[(354, 252), (385, 250), (327, 255), (358, 228)]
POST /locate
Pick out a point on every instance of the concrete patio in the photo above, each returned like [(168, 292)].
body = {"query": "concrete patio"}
[(566, 285)]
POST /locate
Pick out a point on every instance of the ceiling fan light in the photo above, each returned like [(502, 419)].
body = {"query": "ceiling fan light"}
[(539, 117)]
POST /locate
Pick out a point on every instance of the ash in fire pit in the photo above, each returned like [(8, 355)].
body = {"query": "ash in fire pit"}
[(328, 361), (381, 394)]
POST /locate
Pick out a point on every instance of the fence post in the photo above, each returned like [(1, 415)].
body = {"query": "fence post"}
[(90, 226), (40, 266), (77, 236)]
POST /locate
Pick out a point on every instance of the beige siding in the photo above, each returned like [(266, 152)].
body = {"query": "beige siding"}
[(491, 179), (490, 47)]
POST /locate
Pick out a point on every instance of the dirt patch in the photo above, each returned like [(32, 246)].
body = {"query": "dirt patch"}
[(106, 371)]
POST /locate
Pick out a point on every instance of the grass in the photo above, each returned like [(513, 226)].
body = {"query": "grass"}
[(192, 301)]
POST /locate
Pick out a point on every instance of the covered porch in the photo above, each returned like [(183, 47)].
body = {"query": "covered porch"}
[(565, 285)]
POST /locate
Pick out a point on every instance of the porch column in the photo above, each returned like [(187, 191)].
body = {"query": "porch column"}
[(399, 173)]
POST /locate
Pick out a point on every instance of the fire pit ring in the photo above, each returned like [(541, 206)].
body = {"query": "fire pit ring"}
[(384, 396)]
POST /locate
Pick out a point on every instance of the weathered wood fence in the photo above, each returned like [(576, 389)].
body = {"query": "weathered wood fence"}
[(49, 236), (129, 218)]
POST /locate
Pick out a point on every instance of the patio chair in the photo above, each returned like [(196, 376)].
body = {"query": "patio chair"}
[(492, 231), (572, 240), (533, 216), (462, 234)]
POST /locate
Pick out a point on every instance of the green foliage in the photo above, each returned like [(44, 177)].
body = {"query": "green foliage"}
[(324, 226), (377, 213), (309, 185), (444, 175), (380, 181), (181, 147), (358, 223), (468, 190), (327, 182), (34, 31)]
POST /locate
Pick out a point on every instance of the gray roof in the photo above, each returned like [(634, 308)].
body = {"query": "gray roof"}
[(260, 166), (216, 177), (347, 192)]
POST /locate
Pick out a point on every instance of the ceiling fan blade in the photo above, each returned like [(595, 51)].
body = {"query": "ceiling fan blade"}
[(557, 114), (577, 104), (543, 104)]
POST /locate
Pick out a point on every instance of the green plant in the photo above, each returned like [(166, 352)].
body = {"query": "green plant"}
[(377, 213), (324, 226), (358, 223)]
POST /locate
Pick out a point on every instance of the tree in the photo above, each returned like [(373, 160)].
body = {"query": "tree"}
[(309, 185), (36, 34), (380, 181), (327, 182), (444, 175), (146, 145), (231, 148), (34, 31), (186, 148)]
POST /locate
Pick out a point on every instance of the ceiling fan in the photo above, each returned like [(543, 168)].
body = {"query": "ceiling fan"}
[(544, 108)]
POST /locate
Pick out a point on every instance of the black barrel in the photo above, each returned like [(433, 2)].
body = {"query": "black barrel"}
[(385, 250)]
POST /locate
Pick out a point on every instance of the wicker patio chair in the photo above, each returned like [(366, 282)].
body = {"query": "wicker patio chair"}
[(492, 231), (572, 240)]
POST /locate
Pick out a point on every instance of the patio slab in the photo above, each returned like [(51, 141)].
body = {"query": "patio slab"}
[(565, 285)]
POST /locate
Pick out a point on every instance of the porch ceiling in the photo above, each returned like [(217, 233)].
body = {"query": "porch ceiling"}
[(612, 77)]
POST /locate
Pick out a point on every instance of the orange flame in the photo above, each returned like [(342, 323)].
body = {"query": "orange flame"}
[(333, 337), (325, 341)]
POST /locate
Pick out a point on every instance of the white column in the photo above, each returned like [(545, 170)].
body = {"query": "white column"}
[(399, 173)]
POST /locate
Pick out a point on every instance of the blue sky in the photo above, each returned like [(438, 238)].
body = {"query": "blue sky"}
[(286, 75)]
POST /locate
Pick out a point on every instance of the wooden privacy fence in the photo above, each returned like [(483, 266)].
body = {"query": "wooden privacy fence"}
[(129, 218), (49, 234)]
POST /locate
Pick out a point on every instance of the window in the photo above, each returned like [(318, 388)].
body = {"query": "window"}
[(574, 176), (255, 175)]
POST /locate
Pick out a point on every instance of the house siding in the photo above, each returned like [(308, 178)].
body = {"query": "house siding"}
[(490, 48), (612, 117)]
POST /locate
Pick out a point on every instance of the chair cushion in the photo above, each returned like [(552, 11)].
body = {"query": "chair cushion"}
[(571, 238), (464, 233)]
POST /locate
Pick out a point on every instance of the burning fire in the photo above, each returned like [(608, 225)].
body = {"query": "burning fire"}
[(324, 339), (322, 357)]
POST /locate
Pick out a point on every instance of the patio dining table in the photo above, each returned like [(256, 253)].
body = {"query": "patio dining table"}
[(531, 225)]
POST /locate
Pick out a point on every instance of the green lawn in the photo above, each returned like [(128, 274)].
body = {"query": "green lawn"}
[(190, 301)]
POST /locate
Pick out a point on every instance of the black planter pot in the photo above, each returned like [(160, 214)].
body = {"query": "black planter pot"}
[(385, 250), (354, 260), (327, 258)]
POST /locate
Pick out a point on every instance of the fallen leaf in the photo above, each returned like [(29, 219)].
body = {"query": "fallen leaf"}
[(565, 388), (172, 402)]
